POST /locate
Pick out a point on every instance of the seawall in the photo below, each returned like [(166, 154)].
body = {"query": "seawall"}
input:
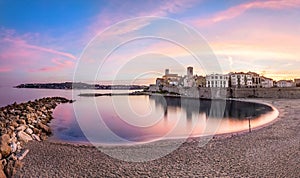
[(289, 93)]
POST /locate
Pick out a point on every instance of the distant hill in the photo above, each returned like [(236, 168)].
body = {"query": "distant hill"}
[(79, 85)]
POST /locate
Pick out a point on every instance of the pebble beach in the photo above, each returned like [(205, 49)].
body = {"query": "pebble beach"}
[(271, 151)]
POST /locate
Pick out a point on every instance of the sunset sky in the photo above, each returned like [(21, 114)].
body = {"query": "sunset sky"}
[(42, 41)]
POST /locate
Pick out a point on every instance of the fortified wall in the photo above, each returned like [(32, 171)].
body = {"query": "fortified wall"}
[(290, 93)]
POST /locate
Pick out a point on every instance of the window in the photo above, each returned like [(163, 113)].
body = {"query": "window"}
[(216, 77), (221, 77)]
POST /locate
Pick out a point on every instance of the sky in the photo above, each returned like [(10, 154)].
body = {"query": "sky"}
[(47, 41)]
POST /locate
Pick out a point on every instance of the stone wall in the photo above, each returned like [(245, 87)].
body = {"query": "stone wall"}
[(291, 93)]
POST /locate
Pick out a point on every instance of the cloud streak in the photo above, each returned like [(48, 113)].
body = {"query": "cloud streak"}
[(238, 10), (24, 44), (59, 65), (5, 69)]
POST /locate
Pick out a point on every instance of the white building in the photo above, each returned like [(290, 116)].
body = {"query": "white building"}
[(217, 80), (285, 83), (241, 79), (267, 82)]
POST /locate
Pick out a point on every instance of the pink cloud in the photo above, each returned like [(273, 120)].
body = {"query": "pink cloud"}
[(59, 64), (237, 10), (5, 69), (17, 51), (24, 44)]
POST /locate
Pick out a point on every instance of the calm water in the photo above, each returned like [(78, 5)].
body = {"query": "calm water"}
[(135, 119)]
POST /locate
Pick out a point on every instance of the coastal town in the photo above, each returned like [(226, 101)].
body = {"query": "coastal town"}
[(230, 80)]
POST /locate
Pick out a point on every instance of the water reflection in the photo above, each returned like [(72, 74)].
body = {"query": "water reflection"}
[(131, 119), (233, 109)]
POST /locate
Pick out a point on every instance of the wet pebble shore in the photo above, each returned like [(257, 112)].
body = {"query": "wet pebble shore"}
[(21, 123)]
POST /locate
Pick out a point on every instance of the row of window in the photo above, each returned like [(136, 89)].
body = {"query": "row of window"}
[(217, 82), (217, 77)]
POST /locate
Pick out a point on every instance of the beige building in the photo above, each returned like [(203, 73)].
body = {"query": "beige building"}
[(267, 82), (240, 80), (171, 79), (200, 81)]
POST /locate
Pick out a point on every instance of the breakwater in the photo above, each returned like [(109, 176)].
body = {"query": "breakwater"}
[(20, 123)]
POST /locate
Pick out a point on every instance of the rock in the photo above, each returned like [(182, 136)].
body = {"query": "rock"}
[(13, 147), (21, 128), (4, 147), (22, 136), (29, 108), (14, 124), (5, 139), (43, 137), (22, 121), (12, 157), (9, 168), (44, 127), (12, 166), (2, 174), (36, 137), (3, 130), (37, 131), (30, 126), (22, 155), (29, 131)]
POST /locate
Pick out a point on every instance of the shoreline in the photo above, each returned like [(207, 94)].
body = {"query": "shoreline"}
[(245, 154)]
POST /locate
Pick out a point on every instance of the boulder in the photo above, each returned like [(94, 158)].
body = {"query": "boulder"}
[(29, 131), (21, 128), (36, 137), (5, 139), (44, 127), (37, 131), (14, 124), (22, 136), (4, 145), (5, 150), (30, 126), (13, 147), (9, 168), (21, 121), (23, 154), (43, 136), (2, 174)]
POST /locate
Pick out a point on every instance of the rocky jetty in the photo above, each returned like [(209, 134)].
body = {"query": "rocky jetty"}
[(21, 123)]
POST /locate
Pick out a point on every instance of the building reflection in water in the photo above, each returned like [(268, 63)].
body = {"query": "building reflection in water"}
[(233, 109)]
